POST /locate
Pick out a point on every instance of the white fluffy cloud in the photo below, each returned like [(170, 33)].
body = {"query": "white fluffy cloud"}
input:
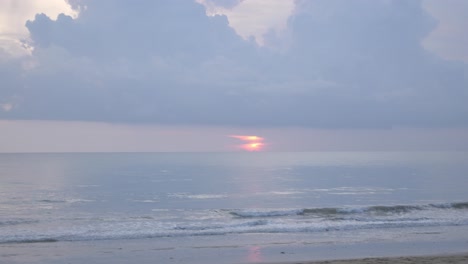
[(346, 64)]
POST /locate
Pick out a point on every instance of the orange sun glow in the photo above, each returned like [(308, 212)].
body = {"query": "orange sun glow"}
[(252, 143)]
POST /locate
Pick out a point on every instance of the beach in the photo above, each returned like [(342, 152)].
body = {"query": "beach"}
[(241, 249), (441, 259), (49, 253)]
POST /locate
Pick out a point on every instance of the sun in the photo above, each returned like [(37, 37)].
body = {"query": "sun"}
[(256, 146), (253, 143)]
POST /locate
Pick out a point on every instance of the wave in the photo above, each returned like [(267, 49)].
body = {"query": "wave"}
[(51, 201), (30, 241), (13, 222), (128, 231), (239, 221), (266, 212), (198, 196), (58, 201), (335, 211)]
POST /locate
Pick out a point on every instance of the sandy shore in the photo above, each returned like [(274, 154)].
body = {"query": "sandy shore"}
[(448, 245), (452, 259), (147, 251)]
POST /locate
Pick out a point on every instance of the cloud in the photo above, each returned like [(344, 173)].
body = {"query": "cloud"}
[(137, 30), (11, 83), (343, 64), (254, 18), (223, 3), (6, 107), (13, 15), (449, 38), (371, 51)]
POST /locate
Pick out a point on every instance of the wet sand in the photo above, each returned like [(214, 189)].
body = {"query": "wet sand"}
[(146, 252), (442, 259), (450, 246)]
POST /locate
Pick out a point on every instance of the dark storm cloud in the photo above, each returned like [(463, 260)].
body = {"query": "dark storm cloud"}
[(348, 64)]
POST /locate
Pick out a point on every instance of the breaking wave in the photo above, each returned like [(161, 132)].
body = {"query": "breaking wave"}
[(237, 221), (335, 211)]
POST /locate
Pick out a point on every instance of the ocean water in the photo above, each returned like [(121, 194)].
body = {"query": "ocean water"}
[(323, 197)]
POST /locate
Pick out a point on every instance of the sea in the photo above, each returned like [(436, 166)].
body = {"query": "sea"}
[(235, 199)]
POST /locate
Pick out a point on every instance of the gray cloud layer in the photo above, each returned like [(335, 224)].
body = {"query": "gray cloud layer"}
[(348, 64)]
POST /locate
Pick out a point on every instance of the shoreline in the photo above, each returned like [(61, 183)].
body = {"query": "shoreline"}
[(461, 258), (432, 245), (197, 252)]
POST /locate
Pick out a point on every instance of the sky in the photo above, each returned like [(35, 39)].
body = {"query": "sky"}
[(303, 75)]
